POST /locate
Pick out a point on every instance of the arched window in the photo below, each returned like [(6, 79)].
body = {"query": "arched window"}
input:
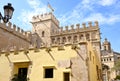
[(81, 37), (75, 38), (105, 48), (69, 38), (53, 40), (43, 33), (63, 40), (110, 59)]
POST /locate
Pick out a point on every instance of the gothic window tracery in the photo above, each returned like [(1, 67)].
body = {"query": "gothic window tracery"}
[(43, 33), (75, 38), (81, 37), (53, 40), (63, 40), (69, 38)]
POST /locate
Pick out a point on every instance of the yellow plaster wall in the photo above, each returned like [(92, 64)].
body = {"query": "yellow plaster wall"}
[(40, 60), (93, 61)]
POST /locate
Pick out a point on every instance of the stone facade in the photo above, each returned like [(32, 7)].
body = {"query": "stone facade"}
[(109, 58), (74, 50), (71, 59), (50, 33), (46, 32), (12, 37)]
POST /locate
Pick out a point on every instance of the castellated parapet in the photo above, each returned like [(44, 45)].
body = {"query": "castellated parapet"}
[(12, 28), (77, 28), (45, 17)]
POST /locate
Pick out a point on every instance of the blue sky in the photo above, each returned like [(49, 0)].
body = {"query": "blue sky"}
[(106, 12)]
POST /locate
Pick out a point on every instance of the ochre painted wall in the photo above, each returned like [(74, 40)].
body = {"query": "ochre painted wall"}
[(59, 60)]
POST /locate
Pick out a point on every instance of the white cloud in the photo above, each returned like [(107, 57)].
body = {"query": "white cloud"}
[(37, 8), (34, 3), (85, 11), (103, 19), (75, 17), (107, 2)]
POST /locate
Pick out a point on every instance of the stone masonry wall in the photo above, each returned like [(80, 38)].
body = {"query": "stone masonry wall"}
[(12, 37)]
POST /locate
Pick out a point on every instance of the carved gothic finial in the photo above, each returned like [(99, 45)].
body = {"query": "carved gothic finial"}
[(78, 26), (84, 25), (96, 23), (90, 24), (72, 27)]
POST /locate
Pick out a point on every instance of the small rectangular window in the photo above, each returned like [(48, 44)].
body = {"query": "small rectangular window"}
[(66, 76), (48, 73), (22, 73)]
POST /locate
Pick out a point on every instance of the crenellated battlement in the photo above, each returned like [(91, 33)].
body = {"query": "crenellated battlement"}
[(44, 17), (12, 28), (33, 48), (77, 28)]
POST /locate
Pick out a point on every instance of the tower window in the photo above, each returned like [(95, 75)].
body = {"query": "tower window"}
[(75, 38), (69, 38), (110, 59), (104, 47), (81, 37), (48, 73), (43, 33), (63, 40)]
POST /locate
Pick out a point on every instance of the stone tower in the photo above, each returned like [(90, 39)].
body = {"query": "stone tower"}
[(44, 25), (106, 45), (48, 33)]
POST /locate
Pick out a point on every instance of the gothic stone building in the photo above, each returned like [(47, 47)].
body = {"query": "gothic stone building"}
[(109, 58), (50, 52)]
